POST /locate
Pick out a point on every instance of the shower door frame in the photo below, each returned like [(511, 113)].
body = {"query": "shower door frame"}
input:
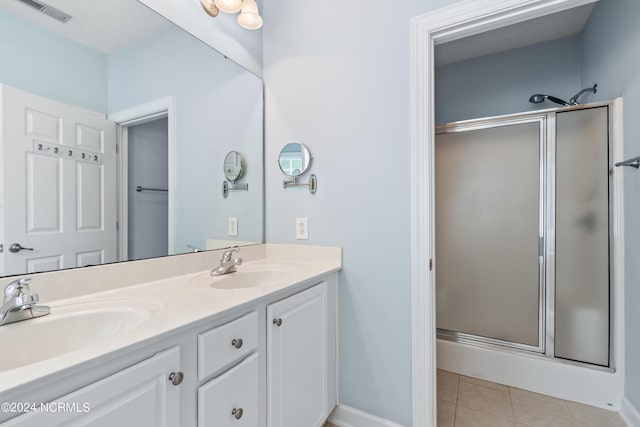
[(546, 232), (546, 143)]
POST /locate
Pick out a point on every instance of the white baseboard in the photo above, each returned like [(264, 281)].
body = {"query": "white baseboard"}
[(346, 416), (629, 413)]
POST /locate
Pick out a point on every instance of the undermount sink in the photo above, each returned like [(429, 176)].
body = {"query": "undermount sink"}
[(249, 276), (71, 327)]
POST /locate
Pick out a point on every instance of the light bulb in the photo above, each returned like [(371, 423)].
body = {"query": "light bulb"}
[(210, 7), (249, 18), (229, 6)]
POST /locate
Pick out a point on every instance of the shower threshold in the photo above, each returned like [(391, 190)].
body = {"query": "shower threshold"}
[(486, 342)]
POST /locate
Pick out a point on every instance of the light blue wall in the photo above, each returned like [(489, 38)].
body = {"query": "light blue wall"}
[(218, 109), (611, 58), (337, 79), (46, 64), (502, 83)]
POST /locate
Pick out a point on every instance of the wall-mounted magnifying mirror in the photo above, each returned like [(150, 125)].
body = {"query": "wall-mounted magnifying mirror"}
[(233, 170), (294, 160), (233, 166)]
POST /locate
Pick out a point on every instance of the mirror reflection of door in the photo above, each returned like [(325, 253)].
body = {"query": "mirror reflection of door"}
[(58, 169), (148, 208)]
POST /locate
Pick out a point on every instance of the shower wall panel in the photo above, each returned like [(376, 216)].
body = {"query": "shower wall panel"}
[(582, 236)]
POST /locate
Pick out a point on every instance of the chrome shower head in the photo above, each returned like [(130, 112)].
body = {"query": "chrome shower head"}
[(539, 98)]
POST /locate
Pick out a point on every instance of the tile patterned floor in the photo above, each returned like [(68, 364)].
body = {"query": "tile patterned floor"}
[(470, 402)]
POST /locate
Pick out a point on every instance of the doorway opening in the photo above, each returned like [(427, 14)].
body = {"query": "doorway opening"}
[(147, 224), (429, 31), (146, 180)]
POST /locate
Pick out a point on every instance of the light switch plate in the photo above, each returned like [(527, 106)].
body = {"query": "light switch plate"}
[(302, 229), (233, 226)]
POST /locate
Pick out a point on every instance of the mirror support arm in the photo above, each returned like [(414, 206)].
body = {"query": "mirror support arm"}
[(226, 187), (312, 184)]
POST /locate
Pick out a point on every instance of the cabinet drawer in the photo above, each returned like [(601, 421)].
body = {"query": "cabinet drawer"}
[(231, 400), (221, 346)]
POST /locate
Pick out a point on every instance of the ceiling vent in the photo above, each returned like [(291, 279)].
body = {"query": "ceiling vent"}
[(50, 11)]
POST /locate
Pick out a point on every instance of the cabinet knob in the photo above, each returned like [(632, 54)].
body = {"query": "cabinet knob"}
[(176, 377), (237, 413), (237, 343), (277, 322)]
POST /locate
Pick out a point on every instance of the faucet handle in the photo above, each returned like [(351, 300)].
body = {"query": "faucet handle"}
[(17, 288), (226, 256)]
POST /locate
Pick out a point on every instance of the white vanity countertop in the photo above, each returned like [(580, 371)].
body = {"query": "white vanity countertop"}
[(177, 302)]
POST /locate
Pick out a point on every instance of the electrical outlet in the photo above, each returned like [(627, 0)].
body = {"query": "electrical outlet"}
[(302, 228), (233, 226)]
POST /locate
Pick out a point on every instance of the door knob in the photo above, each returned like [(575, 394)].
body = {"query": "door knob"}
[(17, 247), (277, 322), (237, 343)]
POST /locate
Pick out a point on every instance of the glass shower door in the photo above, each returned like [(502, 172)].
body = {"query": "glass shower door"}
[(489, 224)]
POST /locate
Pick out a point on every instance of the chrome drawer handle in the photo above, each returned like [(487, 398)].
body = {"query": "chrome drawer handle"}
[(237, 413), (176, 378), (277, 322), (237, 343)]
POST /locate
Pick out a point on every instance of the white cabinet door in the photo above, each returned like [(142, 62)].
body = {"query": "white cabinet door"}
[(231, 400), (140, 396), (297, 359), (58, 184)]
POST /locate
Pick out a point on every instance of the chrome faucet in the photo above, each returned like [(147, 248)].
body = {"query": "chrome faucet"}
[(227, 263), (19, 304)]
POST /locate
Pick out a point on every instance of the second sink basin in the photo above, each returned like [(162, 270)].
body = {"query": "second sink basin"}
[(250, 276), (71, 327)]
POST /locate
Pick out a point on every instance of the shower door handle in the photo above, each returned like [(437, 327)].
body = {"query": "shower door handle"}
[(541, 246)]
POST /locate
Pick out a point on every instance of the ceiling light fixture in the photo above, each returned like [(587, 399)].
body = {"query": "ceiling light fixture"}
[(248, 18), (229, 6)]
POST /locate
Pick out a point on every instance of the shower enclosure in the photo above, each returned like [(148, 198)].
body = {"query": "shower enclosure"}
[(523, 219)]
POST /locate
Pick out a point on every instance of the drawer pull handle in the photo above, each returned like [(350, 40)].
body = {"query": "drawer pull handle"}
[(237, 343), (237, 413), (176, 378), (277, 322)]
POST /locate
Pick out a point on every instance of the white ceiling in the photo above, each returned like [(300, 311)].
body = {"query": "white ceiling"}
[(103, 25), (551, 27)]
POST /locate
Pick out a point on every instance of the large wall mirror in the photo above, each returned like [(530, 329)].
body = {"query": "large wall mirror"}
[(115, 125)]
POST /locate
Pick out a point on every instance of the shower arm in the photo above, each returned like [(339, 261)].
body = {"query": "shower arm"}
[(574, 100)]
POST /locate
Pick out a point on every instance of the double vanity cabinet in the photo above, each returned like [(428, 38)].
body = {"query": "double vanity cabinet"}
[(267, 362)]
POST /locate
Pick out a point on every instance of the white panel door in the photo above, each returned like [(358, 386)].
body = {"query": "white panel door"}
[(140, 396), (58, 184), (297, 360)]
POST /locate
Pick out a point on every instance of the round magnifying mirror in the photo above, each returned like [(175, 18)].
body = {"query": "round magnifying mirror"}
[(294, 159), (233, 166)]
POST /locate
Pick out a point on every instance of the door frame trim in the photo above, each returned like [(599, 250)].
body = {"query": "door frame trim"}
[(462, 19), (164, 107)]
